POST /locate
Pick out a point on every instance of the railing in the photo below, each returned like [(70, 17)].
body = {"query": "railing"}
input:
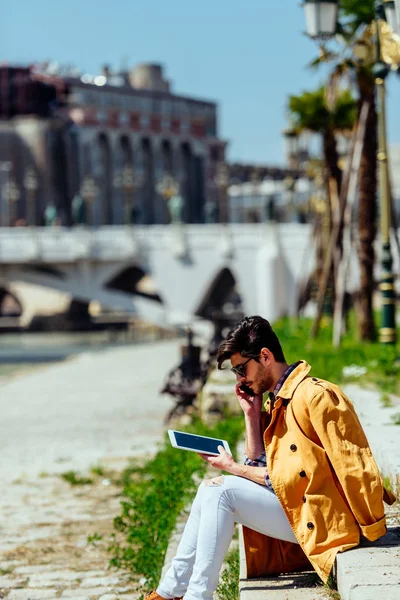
[(22, 245)]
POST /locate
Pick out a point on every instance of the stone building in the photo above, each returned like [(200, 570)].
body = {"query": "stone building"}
[(104, 149)]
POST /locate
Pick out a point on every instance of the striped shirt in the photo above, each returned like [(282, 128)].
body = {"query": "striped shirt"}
[(261, 461)]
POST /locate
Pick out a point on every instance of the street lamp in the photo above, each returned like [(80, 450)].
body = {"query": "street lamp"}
[(128, 187), (89, 192), (129, 184), (222, 183), (169, 189), (31, 185), (387, 332), (12, 195), (321, 18), (391, 15), (385, 10), (292, 147), (6, 168)]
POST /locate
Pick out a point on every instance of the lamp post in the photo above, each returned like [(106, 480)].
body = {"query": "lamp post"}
[(387, 333), (292, 147), (31, 185), (321, 20), (168, 188), (89, 192), (222, 183), (289, 187), (12, 195), (128, 188), (6, 168)]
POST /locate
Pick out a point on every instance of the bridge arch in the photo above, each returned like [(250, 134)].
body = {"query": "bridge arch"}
[(10, 306), (134, 280), (221, 296)]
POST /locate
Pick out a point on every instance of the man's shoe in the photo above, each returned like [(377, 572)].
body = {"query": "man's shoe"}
[(154, 596)]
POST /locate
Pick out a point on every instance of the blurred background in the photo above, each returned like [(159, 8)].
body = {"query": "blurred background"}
[(144, 144)]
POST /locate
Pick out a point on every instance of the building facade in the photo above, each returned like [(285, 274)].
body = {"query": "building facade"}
[(104, 149), (263, 193)]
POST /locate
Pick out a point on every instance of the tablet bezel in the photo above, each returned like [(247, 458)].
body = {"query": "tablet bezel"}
[(171, 433)]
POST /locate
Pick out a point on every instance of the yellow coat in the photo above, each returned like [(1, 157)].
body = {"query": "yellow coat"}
[(324, 474)]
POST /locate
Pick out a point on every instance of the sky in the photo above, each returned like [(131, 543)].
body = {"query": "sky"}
[(247, 55)]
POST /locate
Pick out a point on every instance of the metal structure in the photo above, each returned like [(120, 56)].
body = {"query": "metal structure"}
[(185, 381)]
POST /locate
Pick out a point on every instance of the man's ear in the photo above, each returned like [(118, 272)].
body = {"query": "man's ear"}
[(265, 355)]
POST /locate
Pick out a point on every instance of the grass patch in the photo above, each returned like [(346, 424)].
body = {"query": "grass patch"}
[(74, 478), (386, 401), (228, 587), (367, 363), (153, 497), (93, 539), (396, 418), (100, 471), (387, 483)]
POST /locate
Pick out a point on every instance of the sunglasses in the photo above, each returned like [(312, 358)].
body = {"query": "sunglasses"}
[(240, 368)]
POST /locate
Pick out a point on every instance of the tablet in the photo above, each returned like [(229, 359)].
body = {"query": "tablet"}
[(196, 443)]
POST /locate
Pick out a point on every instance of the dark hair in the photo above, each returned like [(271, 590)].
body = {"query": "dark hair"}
[(248, 337)]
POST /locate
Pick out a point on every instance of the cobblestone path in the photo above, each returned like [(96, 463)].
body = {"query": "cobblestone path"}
[(97, 409), (44, 547)]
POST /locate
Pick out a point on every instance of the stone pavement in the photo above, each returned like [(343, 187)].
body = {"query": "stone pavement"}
[(44, 547), (70, 415), (374, 569), (97, 409)]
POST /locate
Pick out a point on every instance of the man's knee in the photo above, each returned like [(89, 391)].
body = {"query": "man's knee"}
[(213, 481)]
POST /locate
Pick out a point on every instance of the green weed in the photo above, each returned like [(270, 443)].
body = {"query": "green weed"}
[(387, 483), (228, 587), (396, 418), (153, 497), (98, 470), (95, 537), (74, 478), (386, 400)]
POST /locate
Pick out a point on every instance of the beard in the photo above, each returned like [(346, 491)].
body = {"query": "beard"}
[(264, 383)]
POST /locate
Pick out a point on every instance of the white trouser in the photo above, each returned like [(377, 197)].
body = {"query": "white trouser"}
[(194, 571)]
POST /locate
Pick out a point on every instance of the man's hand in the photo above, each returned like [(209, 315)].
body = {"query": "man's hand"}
[(224, 461), (251, 405)]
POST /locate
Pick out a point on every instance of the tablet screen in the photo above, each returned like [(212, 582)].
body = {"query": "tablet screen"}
[(196, 442)]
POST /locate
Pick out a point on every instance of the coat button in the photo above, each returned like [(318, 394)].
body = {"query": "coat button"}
[(293, 447), (310, 525), (304, 499), (302, 473)]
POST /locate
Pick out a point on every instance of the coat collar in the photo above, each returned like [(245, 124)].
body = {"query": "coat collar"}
[(294, 379)]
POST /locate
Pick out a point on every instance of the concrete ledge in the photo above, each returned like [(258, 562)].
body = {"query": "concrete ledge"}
[(371, 570), (291, 586)]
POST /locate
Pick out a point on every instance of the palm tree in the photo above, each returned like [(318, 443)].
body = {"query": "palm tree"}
[(312, 112), (355, 17)]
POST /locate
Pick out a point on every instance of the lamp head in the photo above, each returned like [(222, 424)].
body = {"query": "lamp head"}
[(321, 18)]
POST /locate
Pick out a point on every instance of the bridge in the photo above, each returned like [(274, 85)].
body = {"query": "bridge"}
[(191, 268)]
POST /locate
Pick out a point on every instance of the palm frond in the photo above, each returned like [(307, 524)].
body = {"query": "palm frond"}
[(324, 57), (361, 11)]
